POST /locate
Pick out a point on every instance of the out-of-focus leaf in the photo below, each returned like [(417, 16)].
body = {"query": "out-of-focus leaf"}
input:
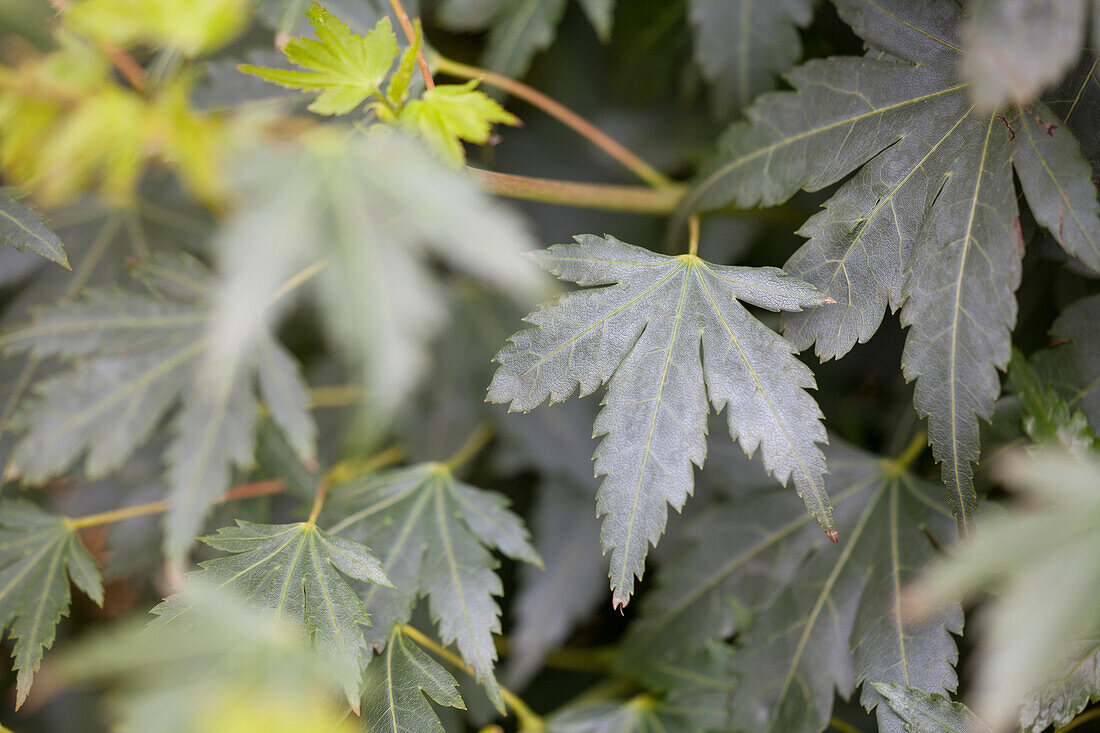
[(190, 27), (290, 571), (434, 536), (24, 229), (925, 713), (1045, 550), (344, 67), (1016, 48), (743, 46), (1072, 366), (135, 356), (601, 14), (399, 683), (521, 28), (664, 334), (1047, 419), (928, 221), (1062, 698), (39, 554)]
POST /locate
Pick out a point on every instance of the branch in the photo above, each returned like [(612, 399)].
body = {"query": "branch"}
[(244, 491), (563, 114), (410, 33), (636, 199)]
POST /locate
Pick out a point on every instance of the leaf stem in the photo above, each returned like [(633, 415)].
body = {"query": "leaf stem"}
[(1079, 720), (635, 199), (410, 33), (693, 235), (560, 112), (478, 439), (336, 395), (244, 491), (842, 726), (529, 721), (352, 468), (319, 499), (900, 464), (574, 659), (298, 279)]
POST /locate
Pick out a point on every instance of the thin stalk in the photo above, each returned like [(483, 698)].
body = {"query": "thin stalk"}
[(318, 500), (1079, 720), (838, 724), (410, 33), (529, 721), (244, 491), (635, 199), (352, 468), (473, 445), (573, 659), (900, 464), (693, 235), (563, 114), (337, 395), (298, 279)]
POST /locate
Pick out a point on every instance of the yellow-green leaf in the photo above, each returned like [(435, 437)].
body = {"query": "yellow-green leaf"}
[(450, 113)]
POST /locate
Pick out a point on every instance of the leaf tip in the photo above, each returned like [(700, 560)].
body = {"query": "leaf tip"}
[(833, 536)]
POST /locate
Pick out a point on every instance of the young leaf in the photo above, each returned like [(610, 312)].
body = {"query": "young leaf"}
[(1047, 418), (450, 113), (24, 228), (290, 570), (1072, 366), (344, 67), (1016, 49), (925, 713), (811, 621), (434, 536), (641, 335), (744, 46), (398, 685), (1061, 699), (189, 28), (39, 554), (929, 216), (135, 356)]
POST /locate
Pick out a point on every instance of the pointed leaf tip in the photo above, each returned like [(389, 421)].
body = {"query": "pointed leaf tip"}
[(833, 536)]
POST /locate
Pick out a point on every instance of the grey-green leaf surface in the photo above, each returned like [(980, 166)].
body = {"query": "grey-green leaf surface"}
[(1065, 695), (25, 229), (293, 571), (398, 684), (1072, 366), (136, 353), (928, 216), (1017, 48), (39, 554), (664, 334), (1046, 418), (743, 46), (521, 30), (813, 620), (925, 713), (434, 537)]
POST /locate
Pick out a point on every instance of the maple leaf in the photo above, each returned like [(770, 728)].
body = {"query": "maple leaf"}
[(39, 554), (346, 68), (641, 335), (929, 713), (23, 228), (1072, 366), (928, 221), (452, 112), (290, 570), (136, 354), (433, 535)]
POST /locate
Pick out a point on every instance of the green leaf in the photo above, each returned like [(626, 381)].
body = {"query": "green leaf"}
[(135, 355), (398, 684), (928, 219), (1047, 419), (450, 113), (1072, 366), (521, 30), (24, 228), (434, 536), (189, 28), (924, 713), (1066, 694), (744, 46), (1016, 48), (345, 67), (39, 554), (641, 335), (601, 14), (811, 620), (1045, 549), (290, 570)]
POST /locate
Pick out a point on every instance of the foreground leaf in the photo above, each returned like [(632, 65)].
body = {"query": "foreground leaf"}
[(1061, 699), (924, 713), (345, 68), (137, 354), (434, 536), (641, 336), (290, 570), (39, 554), (928, 219), (811, 621), (744, 46), (24, 229), (398, 686)]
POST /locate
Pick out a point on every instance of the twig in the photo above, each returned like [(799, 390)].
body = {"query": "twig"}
[(636, 199), (563, 114), (473, 445), (244, 491), (410, 33), (693, 235)]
